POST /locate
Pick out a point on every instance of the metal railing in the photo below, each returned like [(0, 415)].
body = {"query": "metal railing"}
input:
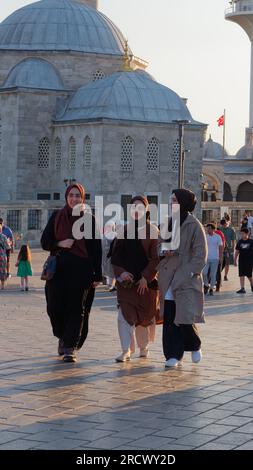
[(239, 7)]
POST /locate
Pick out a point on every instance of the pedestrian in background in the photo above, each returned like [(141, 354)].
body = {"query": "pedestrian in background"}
[(4, 246), (228, 252), (10, 238), (24, 266), (244, 251)]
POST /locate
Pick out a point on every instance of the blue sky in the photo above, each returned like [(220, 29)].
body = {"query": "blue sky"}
[(192, 50)]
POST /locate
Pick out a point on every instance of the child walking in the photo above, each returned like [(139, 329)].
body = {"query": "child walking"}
[(24, 266), (244, 250)]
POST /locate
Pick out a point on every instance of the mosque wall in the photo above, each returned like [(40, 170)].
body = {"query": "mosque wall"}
[(35, 112), (8, 145), (76, 69)]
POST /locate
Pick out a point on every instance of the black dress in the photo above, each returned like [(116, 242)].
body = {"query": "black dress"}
[(245, 248), (70, 294)]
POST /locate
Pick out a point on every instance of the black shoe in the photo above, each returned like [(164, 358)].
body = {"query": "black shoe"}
[(211, 292), (252, 288), (112, 289), (61, 347), (69, 355), (26, 289), (225, 278), (206, 289), (241, 291)]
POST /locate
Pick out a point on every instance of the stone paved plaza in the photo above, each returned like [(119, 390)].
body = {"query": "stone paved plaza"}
[(98, 404)]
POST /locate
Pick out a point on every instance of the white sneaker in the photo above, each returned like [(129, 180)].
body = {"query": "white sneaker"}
[(144, 352), (172, 362), (124, 357), (196, 356)]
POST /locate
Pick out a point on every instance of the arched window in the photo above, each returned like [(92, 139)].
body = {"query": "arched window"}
[(153, 155), (57, 153), (174, 158), (87, 145), (127, 154), (43, 153), (72, 153), (98, 75), (227, 193), (245, 192)]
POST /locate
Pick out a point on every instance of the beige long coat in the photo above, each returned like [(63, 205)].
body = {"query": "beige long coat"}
[(175, 272)]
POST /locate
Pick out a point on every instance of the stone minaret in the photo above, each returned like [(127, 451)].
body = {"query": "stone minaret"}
[(241, 12), (90, 3)]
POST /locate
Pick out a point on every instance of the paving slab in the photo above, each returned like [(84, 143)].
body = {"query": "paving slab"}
[(98, 404)]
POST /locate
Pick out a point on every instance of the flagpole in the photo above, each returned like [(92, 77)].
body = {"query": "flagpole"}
[(224, 134)]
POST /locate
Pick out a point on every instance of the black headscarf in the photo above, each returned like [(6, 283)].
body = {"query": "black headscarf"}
[(187, 201)]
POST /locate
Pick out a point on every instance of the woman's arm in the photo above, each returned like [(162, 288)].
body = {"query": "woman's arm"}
[(48, 241), (149, 273), (116, 257), (197, 260)]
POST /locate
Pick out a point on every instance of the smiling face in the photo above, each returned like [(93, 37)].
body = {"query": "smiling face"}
[(74, 197)]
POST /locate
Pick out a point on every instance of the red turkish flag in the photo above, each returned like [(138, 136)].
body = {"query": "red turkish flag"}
[(221, 120)]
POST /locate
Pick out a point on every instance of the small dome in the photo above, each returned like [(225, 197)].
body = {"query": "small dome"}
[(245, 152), (133, 96), (213, 150), (34, 73), (60, 25)]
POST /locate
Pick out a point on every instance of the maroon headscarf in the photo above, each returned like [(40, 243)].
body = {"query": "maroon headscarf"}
[(64, 222)]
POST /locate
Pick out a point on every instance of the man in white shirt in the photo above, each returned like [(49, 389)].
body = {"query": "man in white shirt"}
[(215, 253)]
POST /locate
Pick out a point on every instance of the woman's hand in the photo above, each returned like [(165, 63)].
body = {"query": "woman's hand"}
[(142, 286), (95, 284), (66, 243), (126, 276)]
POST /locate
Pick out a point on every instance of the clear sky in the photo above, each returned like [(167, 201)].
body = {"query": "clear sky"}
[(192, 50)]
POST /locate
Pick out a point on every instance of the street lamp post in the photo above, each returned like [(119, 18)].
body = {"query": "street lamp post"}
[(181, 164)]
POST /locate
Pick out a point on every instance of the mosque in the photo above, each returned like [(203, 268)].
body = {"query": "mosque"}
[(77, 104)]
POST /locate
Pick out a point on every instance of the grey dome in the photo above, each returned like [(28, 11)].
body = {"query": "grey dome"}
[(213, 150), (34, 73), (60, 25), (245, 152), (133, 96)]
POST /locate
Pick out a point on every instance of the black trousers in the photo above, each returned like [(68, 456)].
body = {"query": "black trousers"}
[(218, 277), (177, 339), (67, 294)]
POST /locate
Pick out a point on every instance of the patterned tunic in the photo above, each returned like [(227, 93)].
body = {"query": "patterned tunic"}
[(3, 260)]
